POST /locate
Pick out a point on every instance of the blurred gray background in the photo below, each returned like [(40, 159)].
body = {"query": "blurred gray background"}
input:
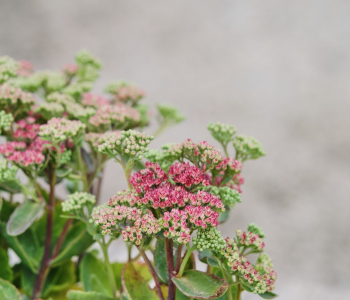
[(278, 70)]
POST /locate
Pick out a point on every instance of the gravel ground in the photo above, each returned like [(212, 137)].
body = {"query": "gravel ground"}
[(278, 70)]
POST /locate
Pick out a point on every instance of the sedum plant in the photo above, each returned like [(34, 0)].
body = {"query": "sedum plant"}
[(58, 134)]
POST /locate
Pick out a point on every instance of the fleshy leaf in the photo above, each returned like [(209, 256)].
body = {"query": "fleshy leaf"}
[(213, 262), (75, 243), (135, 286), (11, 187), (5, 270), (79, 295), (8, 291), (93, 275), (23, 216), (200, 285), (268, 295)]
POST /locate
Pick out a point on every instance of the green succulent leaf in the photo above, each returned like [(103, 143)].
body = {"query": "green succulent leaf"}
[(24, 216), (247, 287), (93, 275), (223, 217), (5, 270), (135, 286), (268, 295), (8, 291), (76, 242), (79, 295), (11, 187), (25, 246), (160, 261), (200, 285)]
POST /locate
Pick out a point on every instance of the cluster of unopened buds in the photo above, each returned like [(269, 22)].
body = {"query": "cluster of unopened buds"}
[(8, 68), (96, 139), (57, 130), (27, 129), (249, 239), (12, 98), (94, 101), (5, 120), (125, 92), (7, 173), (77, 201), (247, 147), (222, 132), (129, 142)]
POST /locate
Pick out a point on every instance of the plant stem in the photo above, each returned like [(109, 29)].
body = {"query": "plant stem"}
[(108, 265), (61, 238), (178, 258), (170, 263), (184, 261), (44, 268), (99, 187), (239, 291), (153, 272), (225, 276)]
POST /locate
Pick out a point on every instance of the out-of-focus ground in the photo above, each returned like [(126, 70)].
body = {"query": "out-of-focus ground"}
[(278, 70)]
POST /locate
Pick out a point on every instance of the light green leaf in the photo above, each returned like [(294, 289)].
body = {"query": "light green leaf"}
[(5, 269), (8, 291), (268, 295), (135, 286), (93, 275), (160, 261), (117, 270), (75, 243), (23, 216), (11, 187), (213, 262), (224, 215), (79, 295), (200, 285)]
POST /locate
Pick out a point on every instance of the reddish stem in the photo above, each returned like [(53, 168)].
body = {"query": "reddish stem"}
[(153, 272), (44, 268), (61, 238), (170, 263), (178, 259)]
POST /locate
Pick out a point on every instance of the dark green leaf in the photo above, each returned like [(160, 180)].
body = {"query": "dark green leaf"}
[(25, 246), (213, 262), (23, 216), (146, 242), (0, 203), (224, 215), (247, 287), (204, 254), (87, 159), (75, 243), (200, 285), (268, 295), (93, 275), (135, 286), (11, 187), (160, 261), (8, 291), (5, 269), (180, 296), (7, 210), (79, 295)]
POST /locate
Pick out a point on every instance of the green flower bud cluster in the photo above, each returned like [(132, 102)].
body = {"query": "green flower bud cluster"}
[(7, 173), (5, 120), (8, 68), (50, 110), (227, 195), (60, 98), (256, 229), (65, 157), (96, 139), (144, 115), (129, 142), (264, 264), (88, 66), (165, 159), (169, 114), (76, 202), (125, 92), (57, 130), (209, 239), (247, 147), (54, 81), (223, 133), (76, 89), (12, 98)]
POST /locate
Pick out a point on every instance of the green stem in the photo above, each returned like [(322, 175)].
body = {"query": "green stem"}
[(239, 291), (184, 261), (227, 280), (104, 248), (161, 128)]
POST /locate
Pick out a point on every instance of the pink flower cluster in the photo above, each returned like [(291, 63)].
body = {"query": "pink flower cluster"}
[(249, 239), (10, 147), (70, 69), (116, 115), (187, 175), (109, 218), (95, 101), (129, 92), (27, 158), (229, 164), (96, 139), (27, 129), (25, 68)]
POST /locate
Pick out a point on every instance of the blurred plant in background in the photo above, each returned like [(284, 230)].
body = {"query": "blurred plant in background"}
[(58, 132)]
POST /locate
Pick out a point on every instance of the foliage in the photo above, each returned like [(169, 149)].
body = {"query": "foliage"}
[(58, 132)]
